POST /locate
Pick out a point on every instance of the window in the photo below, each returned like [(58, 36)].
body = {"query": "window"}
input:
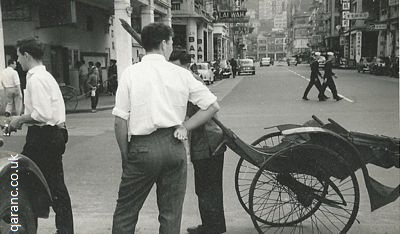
[(175, 6)]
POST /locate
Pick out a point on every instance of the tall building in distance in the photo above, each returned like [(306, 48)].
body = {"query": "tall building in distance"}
[(269, 9)]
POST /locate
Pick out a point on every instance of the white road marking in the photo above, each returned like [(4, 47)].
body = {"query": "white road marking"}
[(340, 95)]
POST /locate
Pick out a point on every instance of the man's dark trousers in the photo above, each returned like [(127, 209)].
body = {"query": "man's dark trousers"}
[(45, 146), (313, 81), (234, 70), (208, 186), (331, 84), (155, 158)]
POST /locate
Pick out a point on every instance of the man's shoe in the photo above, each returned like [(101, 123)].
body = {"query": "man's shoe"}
[(305, 98), (338, 98), (326, 97), (196, 230), (322, 99)]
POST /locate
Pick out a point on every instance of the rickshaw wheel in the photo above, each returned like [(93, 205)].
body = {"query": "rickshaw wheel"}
[(245, 171), (307, 203)]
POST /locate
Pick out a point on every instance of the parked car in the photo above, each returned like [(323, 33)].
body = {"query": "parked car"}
[(265, 62), (321, 61), (363, 65), (226, 70), (280, 62), (292, 61), (206, 73), (377, 66), (246, 66)]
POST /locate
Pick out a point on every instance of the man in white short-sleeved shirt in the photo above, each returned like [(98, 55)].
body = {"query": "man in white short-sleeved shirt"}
[(46, 137), (150, 109), (11, 84)]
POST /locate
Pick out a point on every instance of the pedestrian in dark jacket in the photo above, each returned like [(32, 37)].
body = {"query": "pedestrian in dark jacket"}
[(233, 64), (328, 74), (314, 79), (208, 165)]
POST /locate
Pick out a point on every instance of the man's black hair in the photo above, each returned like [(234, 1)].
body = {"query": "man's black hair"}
[(10, 61), (180, 55), (153, 34), (32, 46)]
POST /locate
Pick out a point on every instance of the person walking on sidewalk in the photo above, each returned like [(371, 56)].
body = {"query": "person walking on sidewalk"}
[(233, 64), (46, 137), (314, 80), (93, 85), (11, 84), (208, 166), (152, 96), (328, 77)]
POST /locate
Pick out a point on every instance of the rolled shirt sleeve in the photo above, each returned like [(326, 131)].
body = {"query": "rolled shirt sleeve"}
[(122, 98), (199, 94)]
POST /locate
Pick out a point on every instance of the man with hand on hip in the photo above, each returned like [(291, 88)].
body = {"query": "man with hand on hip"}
[(150, 109)]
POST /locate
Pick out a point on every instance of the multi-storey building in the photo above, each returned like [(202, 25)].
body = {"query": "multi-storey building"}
[(268, 9), (298, 28), (301, 34), (192, 22), (77, 30), (388, 41), (272, 45)]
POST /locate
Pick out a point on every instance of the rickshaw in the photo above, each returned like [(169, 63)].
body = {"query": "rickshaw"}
[(300, 178)]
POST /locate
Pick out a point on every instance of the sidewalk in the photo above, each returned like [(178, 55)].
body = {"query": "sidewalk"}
[(84, 105)]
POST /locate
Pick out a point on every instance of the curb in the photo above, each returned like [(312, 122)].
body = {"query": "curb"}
[(100, 108)]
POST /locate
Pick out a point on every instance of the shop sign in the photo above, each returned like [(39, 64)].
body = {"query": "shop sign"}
[(356, 16), (358, 45), (240, 30), (231, 16), (342, 40), (346, 6), (373, 27), (345, 23)]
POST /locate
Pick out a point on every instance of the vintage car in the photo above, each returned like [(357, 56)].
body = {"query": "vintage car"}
[(246, 66), (377, 66), (363, 65), (226, 70), (292, 61), (265, 62), (205, 72)]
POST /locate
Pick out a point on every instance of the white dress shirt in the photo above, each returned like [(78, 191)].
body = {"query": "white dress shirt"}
[(154, 93), (9, 78), (43, 99)]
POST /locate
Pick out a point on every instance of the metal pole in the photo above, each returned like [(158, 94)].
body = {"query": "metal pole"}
[(349, 39)]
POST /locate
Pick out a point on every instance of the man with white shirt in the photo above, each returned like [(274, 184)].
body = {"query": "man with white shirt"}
[(11, 84), (46, 137), (150, 125)]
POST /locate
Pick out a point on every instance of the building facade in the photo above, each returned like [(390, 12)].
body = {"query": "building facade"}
[(79, 30)]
